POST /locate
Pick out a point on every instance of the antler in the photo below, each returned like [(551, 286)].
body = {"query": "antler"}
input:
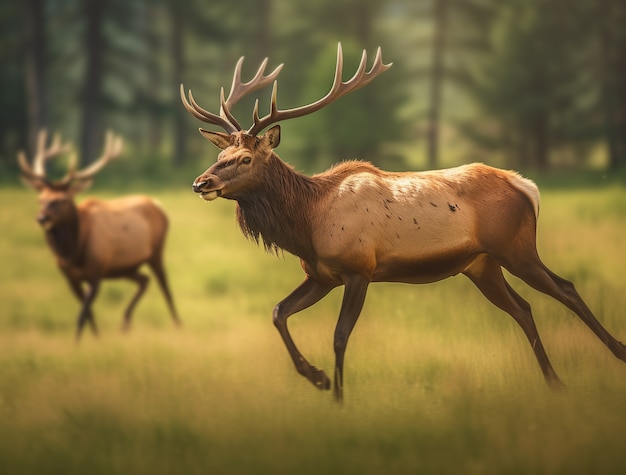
[(112, 149), (238, 89), (338, 89), (42, 155)]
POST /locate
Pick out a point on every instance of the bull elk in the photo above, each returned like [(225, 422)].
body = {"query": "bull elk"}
[(97, 239), (355, 224)]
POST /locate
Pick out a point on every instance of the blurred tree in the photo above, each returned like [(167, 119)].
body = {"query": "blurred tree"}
[(541, 83), (36, 63), (358, 125), (532, 78), (611, 30), (13, 120), (263, 37), (440, 13), (202, 40), (177, 20), (91, 100)]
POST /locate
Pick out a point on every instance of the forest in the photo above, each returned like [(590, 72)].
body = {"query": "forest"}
[(530, 84)]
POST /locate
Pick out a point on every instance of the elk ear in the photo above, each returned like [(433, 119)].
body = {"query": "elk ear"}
[(272, 136), (219, 139)]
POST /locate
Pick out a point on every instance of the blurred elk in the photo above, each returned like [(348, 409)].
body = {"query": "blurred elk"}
[(355, 224), (97, 239)]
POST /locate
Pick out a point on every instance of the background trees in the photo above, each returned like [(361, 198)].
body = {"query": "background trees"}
[(524, 83)]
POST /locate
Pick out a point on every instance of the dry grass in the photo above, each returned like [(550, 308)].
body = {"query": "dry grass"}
[(438, 381)]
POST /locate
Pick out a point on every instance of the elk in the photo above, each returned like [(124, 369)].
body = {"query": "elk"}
[(355, 224), (97, 239)]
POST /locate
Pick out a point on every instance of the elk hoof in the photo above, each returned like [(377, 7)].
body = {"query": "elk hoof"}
[(319, 379), (557, 386)]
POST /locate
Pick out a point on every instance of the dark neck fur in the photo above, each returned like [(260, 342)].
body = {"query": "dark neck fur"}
[(280, 213), (63, 238)]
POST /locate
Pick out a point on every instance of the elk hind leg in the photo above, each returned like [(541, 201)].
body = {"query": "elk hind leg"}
[(538, 276), (486, 274), (159, 271), (142, 281)]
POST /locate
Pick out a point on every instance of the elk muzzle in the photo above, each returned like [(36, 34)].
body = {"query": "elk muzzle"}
[(209, 187)]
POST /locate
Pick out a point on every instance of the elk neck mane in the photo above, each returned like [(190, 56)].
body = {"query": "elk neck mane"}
[(64, 239), (278, 213)]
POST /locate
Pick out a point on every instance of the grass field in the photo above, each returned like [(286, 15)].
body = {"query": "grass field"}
[(437, 380)]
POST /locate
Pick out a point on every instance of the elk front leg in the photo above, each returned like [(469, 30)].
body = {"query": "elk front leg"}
[(308, 293), (85, 312), (353, 299), (77, 289)]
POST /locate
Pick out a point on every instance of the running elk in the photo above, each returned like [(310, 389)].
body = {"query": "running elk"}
[(97, 239), (355, 224)]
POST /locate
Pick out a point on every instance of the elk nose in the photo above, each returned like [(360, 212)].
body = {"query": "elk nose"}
[(198, 185)]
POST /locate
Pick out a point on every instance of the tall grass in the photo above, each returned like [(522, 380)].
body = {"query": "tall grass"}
[(437, 380)]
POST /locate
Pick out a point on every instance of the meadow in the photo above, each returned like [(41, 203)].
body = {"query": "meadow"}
[(438, 381)]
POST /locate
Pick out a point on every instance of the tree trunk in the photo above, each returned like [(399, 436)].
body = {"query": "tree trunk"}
[(262, 40), (35, 57), (153, 132), (436, 82), (178, 59), (611, 15), (92, 85)]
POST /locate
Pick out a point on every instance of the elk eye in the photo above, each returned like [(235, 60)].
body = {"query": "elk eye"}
[(246, 160)]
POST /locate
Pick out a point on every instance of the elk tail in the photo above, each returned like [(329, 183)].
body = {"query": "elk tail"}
[(529, 188)]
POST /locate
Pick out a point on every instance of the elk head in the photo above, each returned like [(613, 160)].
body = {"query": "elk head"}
[(245, 153), (56, 197)]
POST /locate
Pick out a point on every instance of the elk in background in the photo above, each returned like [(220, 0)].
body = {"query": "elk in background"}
[(355, 224), (97, 239)]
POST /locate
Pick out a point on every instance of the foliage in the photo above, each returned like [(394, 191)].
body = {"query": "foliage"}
[(534, 77), (522, 83)]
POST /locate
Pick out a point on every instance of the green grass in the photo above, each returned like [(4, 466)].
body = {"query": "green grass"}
[(437, 380)]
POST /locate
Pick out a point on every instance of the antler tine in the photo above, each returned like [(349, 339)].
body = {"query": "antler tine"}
[(225, 110), (199, 113), (378, 66), (24, 165), (239, 89), (338, 89), (112, 149), (273, 107), (42, 154), (71, 169), (357, 79)]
